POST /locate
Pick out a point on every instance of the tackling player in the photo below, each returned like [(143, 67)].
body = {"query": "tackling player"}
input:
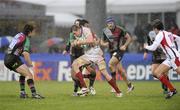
[(93, 53), (76, 52), (165, 40), (157, 57)]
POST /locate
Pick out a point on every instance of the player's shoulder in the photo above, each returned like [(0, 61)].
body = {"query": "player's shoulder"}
[(19, 35), (104, 28), (85, 28), (161, 33), (120, 28)]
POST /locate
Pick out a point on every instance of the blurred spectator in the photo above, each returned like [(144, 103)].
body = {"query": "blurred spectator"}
[(133, 47), (174, 29), (147, 29), (54, 49), (139, 32)]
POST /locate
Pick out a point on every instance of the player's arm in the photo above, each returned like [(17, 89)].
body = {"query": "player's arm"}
[(128, 39), (145, 52), (155, 44), (176, 38), (89, 39), (27, 58), (103, 41), (26, 53), (149, 42), (68, 43)]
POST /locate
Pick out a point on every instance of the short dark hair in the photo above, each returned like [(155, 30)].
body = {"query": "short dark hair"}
[(27, 29), (74, 28), (83, 22), (79, 20), (157, 24)]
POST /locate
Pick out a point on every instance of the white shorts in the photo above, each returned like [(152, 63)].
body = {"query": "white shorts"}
[(93, 58), (98, 60), (174, 63)]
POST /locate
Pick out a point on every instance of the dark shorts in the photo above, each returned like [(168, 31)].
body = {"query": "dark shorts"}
[(117, 54), (12, 62), (155, 61), (74, 57)]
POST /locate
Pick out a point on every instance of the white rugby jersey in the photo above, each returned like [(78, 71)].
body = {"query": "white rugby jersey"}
[(166, 41), (90, 49)]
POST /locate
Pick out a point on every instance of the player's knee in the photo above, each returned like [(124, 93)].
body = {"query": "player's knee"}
[(29, 76), (157, 73), (178, 70), (111, 67)]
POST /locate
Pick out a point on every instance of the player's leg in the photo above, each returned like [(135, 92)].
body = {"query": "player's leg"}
[(153, 68), (14, 63), (24, 70), (22, 87), (78, 74), (160, 74), (76, 85), (111, 81), (123, 73), (92, 76), (76, 71), (112, 66), (76, 82), (175, 64)]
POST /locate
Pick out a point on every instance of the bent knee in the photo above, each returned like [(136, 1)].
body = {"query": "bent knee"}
[(29, 76)]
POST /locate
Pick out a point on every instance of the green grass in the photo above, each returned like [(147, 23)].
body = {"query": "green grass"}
[(146, 96)]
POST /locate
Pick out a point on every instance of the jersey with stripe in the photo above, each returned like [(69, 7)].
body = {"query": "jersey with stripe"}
[(116, 37), (158, 54), (165, 40), (16, 46)]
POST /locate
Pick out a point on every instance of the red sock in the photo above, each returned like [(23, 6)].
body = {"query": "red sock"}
[(81, 80), (165, 81), (114, 85)]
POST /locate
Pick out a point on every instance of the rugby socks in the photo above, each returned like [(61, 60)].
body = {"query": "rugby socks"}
[(165, 81), (113, 74), (123, 75), (129, 85), (112, 82), (30, 83), (76, 85), (92, 79), (81, 80), (164, 87), (22, 84)]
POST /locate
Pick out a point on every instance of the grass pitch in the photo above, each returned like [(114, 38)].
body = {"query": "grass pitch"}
[(146, 96)]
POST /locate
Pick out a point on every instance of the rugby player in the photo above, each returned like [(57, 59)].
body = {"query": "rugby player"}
[(165, 40), (93, 53), (117, 40), (12, 58)]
